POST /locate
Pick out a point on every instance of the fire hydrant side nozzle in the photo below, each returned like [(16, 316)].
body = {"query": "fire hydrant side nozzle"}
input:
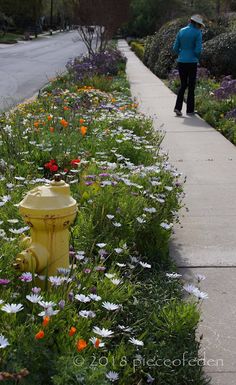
[(49, 210)]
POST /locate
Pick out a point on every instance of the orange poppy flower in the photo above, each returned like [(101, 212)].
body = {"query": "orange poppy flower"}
[(64, 123), (81, 121), (66, 108), (49, 117), (72, 331), (97, 343), (39, 335), (52, 129), (81, 345), (46, 320), (36, 124), (83, 130)]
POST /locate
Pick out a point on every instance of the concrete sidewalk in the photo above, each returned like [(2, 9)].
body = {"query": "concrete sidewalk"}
[(205, 242)]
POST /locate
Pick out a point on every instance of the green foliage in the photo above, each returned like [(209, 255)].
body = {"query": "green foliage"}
[(138, 48), (158, 55), (219, 54)]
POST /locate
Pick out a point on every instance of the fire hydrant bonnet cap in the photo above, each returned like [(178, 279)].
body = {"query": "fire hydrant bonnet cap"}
[(50, 199)]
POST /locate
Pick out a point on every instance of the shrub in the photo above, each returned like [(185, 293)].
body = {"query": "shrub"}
[(219, 54), (158, 55), (138, 48)]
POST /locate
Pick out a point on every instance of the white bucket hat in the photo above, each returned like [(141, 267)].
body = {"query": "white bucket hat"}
[(198, 19)]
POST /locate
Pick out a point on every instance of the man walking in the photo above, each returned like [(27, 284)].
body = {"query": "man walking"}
[(188, 47)]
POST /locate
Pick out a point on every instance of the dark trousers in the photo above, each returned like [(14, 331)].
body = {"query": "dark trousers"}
[(187, 74)]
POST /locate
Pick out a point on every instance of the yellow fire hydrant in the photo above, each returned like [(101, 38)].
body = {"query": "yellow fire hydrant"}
[(49, 210)]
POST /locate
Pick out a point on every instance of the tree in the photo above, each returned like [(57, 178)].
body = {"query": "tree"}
[(99, 20), (24, 13)]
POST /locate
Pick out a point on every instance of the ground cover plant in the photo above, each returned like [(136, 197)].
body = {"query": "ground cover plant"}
[(120, 303), (215, 101)]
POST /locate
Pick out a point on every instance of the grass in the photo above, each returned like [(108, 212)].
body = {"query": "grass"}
[(10, 38)]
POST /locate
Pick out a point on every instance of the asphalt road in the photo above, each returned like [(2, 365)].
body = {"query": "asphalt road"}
[(25, 67)]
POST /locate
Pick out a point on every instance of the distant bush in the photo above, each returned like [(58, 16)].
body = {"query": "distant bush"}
[(219, 54), (158, 55), (138, 48)]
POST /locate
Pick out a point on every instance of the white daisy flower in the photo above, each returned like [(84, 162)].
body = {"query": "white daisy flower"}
[(56, 281), (112, 376), (64, 271), (109, 216), (145, 265), (116, 281), (19, 231), (101, 245), (12, 308), (13, 220), (87, 314), (173, 275), (120, 264), (136, 342), (116, 224), (109, 275), (200, 294), (150, 210), (166, 226), (46, 304), (155, 183), (190, 288), (200, 277), (118, 250), (34, 298), (140, 220), (82, 298), (102, 332), (3, 342), (125, 328), (48, 312), (110, 306), (95, 341), (95, 297)]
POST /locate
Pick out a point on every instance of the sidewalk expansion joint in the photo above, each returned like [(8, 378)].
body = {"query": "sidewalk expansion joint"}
[(207, 267)]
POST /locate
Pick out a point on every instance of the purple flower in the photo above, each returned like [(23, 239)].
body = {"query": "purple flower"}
[(36, 290), (104, 175), (102, 253), (87, 271), (71, 296), (231, 114), (4, 281), (26, 277), (227, 89), (100, 268), (88, 183), (61, 304)]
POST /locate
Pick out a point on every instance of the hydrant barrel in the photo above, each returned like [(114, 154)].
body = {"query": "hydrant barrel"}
[(49, 210)]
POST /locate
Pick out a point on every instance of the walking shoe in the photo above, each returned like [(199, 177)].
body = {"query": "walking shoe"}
[(191, 113), (178, 112)]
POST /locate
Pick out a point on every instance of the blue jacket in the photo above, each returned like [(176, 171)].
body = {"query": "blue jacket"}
[(188, 44)]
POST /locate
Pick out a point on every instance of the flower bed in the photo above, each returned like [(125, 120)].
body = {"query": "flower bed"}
[(119, 304), (215, 101)]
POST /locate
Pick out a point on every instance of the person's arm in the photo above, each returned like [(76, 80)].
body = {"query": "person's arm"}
[(198, 45), (176, 45)]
